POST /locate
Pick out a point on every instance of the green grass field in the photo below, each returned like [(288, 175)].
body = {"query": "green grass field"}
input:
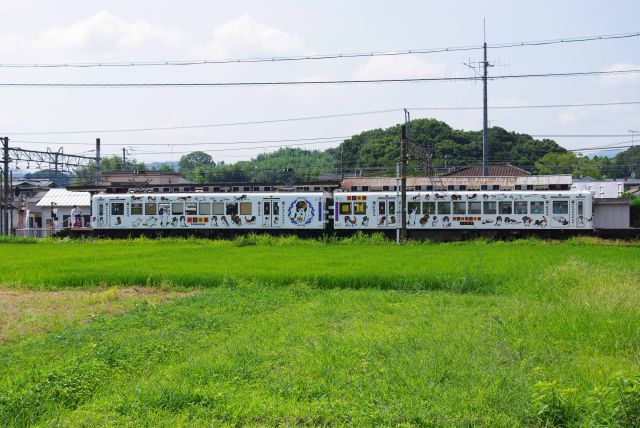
[(356, 332)]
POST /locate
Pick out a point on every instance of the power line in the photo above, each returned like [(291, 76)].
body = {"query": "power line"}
[(242, 148), (534, 106), (304, 118), (191, 144), (321, 56), (312, 82), (214, 125)]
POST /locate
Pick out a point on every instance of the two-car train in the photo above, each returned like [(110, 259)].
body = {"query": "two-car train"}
[(342, 211)]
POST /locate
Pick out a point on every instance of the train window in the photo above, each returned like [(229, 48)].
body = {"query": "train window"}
[(117, 208), (267, 208), (359, 207), (177, 208), (191, 208), (444, 207), (561, 207), (101, 209), (150, 208), (459, 207), (345, 207), (505, 207), (218, 208), (136, 208), (204, 208), (392, 207), (382, 208), (428, 207), (276, 208), (475, 207), (489, 207), (414, 208), (537, 208), (580, 207), (520, 207), (231, 208), (245, 208)]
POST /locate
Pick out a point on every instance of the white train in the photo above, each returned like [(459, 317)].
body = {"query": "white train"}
[(209, 211), (465, 210), (570, 210)]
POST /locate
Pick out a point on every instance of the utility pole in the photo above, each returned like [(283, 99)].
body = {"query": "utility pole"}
[(5, 193), (124, 159), (485, 121), (97, 161), (403, 176)]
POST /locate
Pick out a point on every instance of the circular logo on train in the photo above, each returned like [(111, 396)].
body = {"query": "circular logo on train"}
[(301, 212)]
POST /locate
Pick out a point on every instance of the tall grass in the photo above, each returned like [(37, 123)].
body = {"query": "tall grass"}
[(523, 333)]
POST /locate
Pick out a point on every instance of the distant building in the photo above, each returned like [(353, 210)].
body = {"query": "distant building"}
[(600, 189), (141, 181), (502, 177)]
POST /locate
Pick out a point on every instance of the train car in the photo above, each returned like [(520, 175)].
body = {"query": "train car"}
[(208, 211), (570, 210)]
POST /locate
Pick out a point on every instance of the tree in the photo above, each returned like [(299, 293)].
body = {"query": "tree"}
[(188, 163), (87, 174)]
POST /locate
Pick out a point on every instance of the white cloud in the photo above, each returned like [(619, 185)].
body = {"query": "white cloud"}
[(621, 79), (568, 118), (398, 67), (104, 31), (245, 37), (8, 7)]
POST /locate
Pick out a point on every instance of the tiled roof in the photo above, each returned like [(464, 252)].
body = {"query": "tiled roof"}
[(65, 198), (497, 170)]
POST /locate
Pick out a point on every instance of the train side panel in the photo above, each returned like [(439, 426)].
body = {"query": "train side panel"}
[(209, 211), (465, 210)]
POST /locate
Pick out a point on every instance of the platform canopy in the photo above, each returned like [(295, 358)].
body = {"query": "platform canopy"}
[(65, 198)]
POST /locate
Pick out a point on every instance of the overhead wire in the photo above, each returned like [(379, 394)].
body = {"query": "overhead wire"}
[(296, 119), (347, 55), (103, 85)]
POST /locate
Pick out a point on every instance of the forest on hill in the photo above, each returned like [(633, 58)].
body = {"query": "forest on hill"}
[(376, 152)]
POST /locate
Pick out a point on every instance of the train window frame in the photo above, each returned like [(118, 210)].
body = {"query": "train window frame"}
[(217, 208), (415, 206), (392, 207), (345, 208), (459, 208), (191, 208), (136, 208), (117, 208), (475, 207), (563, 206), (244, 210), (489, 207), (580, 208), (536, 207), (150, 208), (520, 207), (440, 207), (204, 208), (231, 208), (177, 208), (382, 207), (505, 207), (429, 207), (360, 208)]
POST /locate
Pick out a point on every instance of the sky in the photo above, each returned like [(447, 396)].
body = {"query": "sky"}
[(74, 31)]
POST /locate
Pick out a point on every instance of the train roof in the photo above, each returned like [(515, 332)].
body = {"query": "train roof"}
[(220, 194), (473, 192)]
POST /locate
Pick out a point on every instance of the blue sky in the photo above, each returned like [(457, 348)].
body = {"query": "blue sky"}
[(75, 31)]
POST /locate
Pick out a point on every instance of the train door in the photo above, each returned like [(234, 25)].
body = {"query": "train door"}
[(116, 213), (271, 213), (387, 216), (560, 213)]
